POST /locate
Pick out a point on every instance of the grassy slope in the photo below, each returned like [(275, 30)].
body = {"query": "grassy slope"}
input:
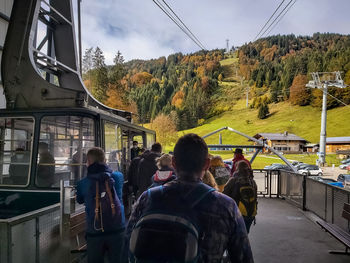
[(302, 121)]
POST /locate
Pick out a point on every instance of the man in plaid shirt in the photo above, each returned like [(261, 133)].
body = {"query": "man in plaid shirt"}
[(221, 224)]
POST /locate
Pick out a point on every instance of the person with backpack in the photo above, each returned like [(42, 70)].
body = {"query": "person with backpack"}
[(133, 170), (238, 156), (101, 192), (243, 189), (147, 168), (186, 220), (165, 172), (219, 171)]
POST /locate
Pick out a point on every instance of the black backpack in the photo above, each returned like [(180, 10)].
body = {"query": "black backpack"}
[(169, 231), (248, 203)]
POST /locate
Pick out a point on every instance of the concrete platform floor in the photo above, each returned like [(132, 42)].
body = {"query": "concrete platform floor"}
[(284, 234)]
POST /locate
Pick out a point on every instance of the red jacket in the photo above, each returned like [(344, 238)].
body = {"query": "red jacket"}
[(238, 158)]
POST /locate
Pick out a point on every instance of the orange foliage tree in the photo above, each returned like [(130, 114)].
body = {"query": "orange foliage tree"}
[(178, 99), (299, 94), (165, 129), (141, 78)]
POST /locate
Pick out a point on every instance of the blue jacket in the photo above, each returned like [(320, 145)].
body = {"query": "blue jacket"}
[(99, 171)]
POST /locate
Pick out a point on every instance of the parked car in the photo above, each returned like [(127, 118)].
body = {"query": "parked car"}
[(344, 164), (345, 179), (277, 166), (295, 163), (329, 181), (302, 166), (311, 170), (346, 161)]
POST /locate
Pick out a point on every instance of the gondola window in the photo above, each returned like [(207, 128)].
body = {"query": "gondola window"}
[(64, 142), (16, 138)]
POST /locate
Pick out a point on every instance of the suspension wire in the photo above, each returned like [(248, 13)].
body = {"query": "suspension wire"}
[(277, 17), (323, 90), (281, 17), (203, 47), (176, 22), (339, 100), (269, 19)]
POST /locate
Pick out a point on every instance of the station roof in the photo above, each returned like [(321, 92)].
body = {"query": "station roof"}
[(279, 136), (330, 140)]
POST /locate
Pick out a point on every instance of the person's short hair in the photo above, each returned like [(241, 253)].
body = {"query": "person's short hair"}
[(190, 154), (96, 154), (135, 142), (242, 165), (238, 150), (156, 147), (164, 160)]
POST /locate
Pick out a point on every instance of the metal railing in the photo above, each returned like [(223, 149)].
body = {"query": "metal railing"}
[(324, 200), (327, 202), (267, 182), (31, 237)]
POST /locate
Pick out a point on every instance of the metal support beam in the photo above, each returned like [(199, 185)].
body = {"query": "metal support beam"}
[(254, 155), (264, 145)]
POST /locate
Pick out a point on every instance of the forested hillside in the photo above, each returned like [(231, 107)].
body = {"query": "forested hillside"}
[(278, 67), (187, 89), (180, 86)]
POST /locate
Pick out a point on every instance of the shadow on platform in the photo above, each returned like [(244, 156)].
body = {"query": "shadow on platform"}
[(284, 234)]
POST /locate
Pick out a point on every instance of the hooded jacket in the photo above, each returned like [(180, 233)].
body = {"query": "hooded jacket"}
[(239, 157), (146, 170), (99, 172), (162, 176)]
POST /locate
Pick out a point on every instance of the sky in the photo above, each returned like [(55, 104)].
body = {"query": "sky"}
[(140, 30)]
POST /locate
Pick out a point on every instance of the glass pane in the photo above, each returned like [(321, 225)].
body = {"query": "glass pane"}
[(113, 145), (16, 138), (64, 142), (150, 140)]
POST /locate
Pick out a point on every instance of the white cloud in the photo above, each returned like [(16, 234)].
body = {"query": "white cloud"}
[(139, 29)]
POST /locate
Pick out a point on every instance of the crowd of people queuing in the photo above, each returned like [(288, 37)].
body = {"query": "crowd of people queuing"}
[(190, 206)]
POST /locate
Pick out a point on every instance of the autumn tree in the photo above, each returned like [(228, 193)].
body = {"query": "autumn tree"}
[(165, 129), (299, 94)]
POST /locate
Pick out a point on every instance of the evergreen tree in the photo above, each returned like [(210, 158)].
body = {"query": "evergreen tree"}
[(87, 60), (100, 80), (263, 111)]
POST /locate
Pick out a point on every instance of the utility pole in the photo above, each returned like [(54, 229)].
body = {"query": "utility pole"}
[(247, 102), (323, 85), (227, 48)]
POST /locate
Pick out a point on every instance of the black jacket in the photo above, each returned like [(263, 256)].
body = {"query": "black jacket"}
[(147, 168), (132, 172)]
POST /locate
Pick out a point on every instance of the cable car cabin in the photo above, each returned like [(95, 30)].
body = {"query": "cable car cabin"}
[(51, 119), (39, 148)]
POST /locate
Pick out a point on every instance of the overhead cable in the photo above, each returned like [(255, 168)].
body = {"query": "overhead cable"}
[(269, 19), (163, 8), (281, 17), (183, 24), (277, 17)]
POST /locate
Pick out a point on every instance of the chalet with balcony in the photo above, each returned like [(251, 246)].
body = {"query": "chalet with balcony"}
[(283, 142)]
